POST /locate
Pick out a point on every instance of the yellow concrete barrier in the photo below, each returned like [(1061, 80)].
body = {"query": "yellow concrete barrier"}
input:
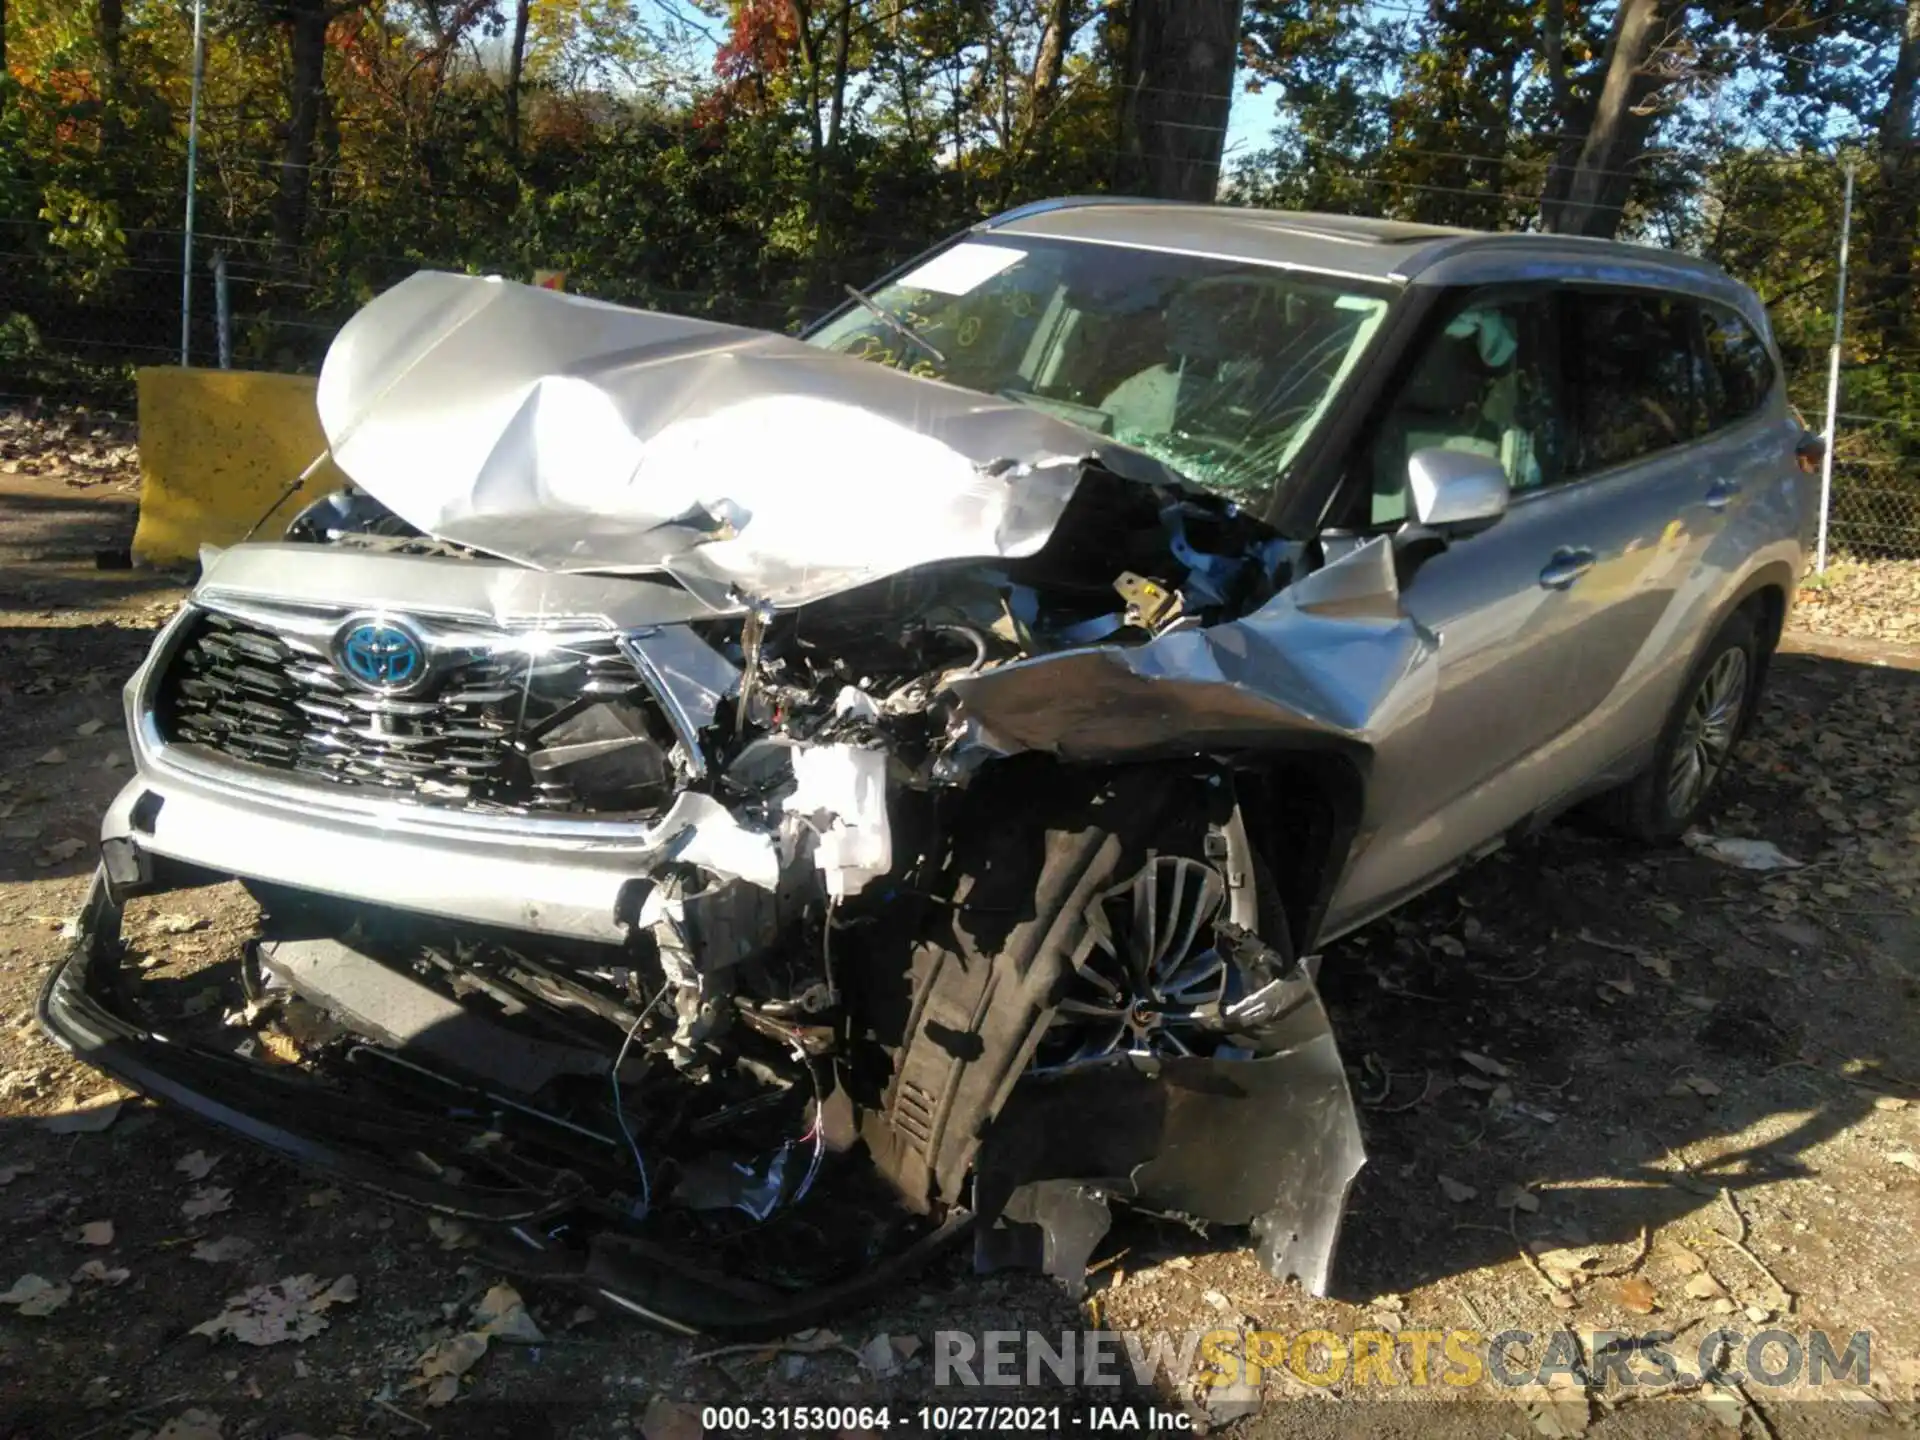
[(216, 447)]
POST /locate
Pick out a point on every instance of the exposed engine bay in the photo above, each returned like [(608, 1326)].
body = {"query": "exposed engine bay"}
[(732, 933)]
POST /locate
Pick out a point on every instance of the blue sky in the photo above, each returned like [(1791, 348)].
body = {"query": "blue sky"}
[(1251, 124)]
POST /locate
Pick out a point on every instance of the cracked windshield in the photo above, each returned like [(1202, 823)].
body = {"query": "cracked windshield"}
[(1219, 369)]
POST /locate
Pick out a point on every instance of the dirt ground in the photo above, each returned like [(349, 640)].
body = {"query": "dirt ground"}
[(1603, 1089)]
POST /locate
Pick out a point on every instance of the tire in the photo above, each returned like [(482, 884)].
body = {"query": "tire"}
[(1696, 744), (998, 950)]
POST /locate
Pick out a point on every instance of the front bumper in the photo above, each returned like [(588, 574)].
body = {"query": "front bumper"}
[(549, 1227), (568, 881)]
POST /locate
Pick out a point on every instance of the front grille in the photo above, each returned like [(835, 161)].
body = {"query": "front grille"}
[(501, 726)]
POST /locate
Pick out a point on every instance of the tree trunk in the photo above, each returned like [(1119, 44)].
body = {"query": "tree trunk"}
[(307, 59), (1896, 208), (837, 92), (1553, 48), (1176, 90), (1587, 195), (110, 30), (1050, 60), (516, 64)]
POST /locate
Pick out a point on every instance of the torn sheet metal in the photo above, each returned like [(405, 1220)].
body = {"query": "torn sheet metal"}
[(569, 434), (1270, 1141), (1331, 656)]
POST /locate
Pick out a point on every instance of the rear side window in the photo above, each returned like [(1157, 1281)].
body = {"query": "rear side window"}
[(1740, 371), (1636, 379)]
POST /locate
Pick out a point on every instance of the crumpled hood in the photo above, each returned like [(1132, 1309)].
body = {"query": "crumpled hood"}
[(573, 435)]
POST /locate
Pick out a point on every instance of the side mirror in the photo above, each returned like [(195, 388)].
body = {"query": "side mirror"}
[(1455, 493)]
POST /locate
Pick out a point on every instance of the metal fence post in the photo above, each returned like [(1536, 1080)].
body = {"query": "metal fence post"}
[(1833, 377), (222, 310), (193, 160)]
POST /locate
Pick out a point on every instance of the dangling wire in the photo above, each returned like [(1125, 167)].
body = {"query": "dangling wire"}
[(619, 1108), (817, 1132)]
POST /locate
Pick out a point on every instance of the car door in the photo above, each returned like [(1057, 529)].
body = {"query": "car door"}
[(1659, 463), (1539, 616)]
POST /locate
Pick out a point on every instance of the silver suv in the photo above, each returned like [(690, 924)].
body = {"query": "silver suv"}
[(735, 814)]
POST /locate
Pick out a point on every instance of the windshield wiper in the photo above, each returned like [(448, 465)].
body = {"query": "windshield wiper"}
[(894, 323)]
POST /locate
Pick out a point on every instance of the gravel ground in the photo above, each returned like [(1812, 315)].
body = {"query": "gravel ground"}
[(1603, 1089)]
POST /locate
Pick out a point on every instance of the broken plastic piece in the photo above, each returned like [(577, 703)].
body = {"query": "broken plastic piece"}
[(841, 791)]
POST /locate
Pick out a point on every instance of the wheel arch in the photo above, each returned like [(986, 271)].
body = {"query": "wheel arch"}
[(1302, 809), (1766, 594)]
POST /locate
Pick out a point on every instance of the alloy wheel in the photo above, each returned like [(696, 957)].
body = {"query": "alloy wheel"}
[(1152, 965), (1707, 734)]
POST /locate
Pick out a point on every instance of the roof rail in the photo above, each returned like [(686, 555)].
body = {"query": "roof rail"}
[(1064, 202)]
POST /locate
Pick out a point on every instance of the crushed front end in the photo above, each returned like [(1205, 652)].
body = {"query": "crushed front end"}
[(732, 953)]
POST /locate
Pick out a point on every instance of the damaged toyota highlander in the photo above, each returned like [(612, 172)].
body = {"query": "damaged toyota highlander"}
[(732, 816)]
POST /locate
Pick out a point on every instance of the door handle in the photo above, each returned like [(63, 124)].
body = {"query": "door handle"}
[(1566, 566), (1720, 494)]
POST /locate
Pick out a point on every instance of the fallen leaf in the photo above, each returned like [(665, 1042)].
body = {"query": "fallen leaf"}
[(174, 922), (452, 1234), (1880, 1102), (36, 1295), (1635, 1294), (443, 1390), (1726, 1408), (321, 1199), (443, 1364), (1704, 1287), (226, 1248), (1448, 945), (195, 1424), (1658, 964), (1515, 1197), (83, 1121), (58, 851), (502, 1314), (205, 1201), (286, 1310), (1456, 1191), (1559, 1409), (666, 1419), (1567, 1261), (95, 1272), (55, 756), (94, 1232), (196, 1164), (1688, 1086), (10, 1173), (1906, 1158), (877, 1356), (1621, 984), (1686, 1262), (1486, 1065), (89, 727)]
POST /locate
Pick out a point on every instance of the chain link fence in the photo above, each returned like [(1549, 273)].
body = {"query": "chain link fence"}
[(1874, 512)]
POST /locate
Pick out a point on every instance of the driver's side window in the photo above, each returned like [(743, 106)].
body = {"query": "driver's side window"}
[(1485, 383)]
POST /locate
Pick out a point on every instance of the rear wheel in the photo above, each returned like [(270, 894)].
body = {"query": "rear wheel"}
[(1697, 743)]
